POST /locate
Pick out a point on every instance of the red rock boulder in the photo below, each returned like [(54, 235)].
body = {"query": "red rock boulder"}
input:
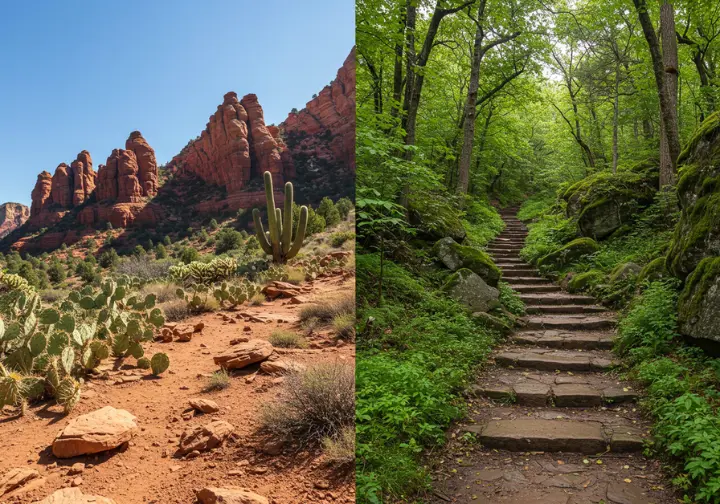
[(147, 164), (42, 194), (62, 186), (83, 178)]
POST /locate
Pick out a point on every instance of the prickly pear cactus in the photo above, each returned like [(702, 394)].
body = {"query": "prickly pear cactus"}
[(159, 363)]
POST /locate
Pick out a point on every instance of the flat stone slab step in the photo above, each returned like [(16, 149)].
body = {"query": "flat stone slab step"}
[(525, 280), (577, 322), (559, 298), (526, 272), (528, 289), (514, 261), (531, 434), (567, 309), (563, 395), (568, 340), (552, 360)]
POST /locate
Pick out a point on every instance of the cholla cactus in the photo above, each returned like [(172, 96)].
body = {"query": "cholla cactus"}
[(278, 240), (205, 273)]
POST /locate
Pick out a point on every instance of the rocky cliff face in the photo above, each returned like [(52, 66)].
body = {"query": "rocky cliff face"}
[(694, 254), (234, 147), (147, 164), (12, 216), (84, 178), (325, 128)]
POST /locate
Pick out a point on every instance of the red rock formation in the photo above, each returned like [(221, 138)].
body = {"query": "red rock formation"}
[(62, 186), (83, 178), (122, 215), (234, 147), (42, 194), (12, 216), (147, 164), (118, 179), (330, 114)]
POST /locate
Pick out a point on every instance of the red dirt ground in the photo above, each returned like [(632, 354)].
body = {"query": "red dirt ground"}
[(146, 471)]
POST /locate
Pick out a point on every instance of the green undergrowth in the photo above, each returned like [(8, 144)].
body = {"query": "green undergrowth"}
[(417, 351), (682, 390), (482, 223)]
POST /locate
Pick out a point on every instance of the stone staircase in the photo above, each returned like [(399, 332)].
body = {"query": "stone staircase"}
[(549, 390)]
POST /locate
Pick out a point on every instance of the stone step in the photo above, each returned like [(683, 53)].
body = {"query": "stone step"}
[(535, 434), (498, 256), (503, 246), (566, 309), (533, 288), (552, 360), (577, 322), (558, 298), (521, 273), (504, 249), (510, 261), (525, 280), (567, 340), (560, 395)]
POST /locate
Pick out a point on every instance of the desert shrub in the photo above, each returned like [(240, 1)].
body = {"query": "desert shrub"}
[(257, 299), (51, 296), (86, 271), (344, 326), (214, 224), (313, 404), (109, 258), (163, 291), (325, 310), (56, 272), (160, 251), (167, 241), (344, 205), (226, 240), (329, 212), (144, 268), (219, 380), (188, 255), (316, 222), (294, 275), (175, 310), (286, 339), (337, 239), (340, 450), (139, 250)]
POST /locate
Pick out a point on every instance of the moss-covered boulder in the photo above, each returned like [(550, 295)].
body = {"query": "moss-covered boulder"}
[(583, 281), (471, 291), (569, 253), (697, 234), (654, 270), (605, 202), (624, 271), (492, 322), (699, 303), (455, 256), (435, 217)]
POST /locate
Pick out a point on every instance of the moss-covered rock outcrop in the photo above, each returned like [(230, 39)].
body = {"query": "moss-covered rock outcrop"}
[(569, 253), (435, 217), (699, 302), (471, 291), (697, 234), (654, 270), (602, 203), (583, 281), (455, 256)]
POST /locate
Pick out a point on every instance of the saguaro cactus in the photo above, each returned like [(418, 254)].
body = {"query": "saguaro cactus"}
[(278, 240)]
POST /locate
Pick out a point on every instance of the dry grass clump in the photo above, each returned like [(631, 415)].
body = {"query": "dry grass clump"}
[(286, 339), (163, 291), (314, 404), (219, 380), (295, 275), (175, 310), (340, 450), (344, 326), (325, 310), (257, 299)]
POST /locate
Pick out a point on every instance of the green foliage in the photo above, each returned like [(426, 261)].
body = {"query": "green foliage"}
[(189, 255), (510, 299), (344, 206), (214, 224), (139, 250), (205, 273), (413, 361), (160, 251), (482, 222), (337, 239), (227, 239), (329, 212), (159, 363), (86, 271), (56, 272)]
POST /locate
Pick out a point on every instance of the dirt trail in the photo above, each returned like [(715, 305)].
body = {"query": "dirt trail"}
[(146, 471), (555, 424)]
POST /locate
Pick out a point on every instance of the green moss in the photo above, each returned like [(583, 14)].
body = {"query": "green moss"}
[(569, 253), (455, 278), (479, 262), (436, 216), (707, 129), (654, 270), (689, 240), (583, 281), (705, 275)]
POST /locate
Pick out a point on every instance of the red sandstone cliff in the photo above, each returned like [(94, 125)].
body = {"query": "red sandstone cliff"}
[(235, 146), (12, 216), (329, 115)]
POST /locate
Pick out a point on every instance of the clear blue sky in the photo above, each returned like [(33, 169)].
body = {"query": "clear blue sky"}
[(80, 75)]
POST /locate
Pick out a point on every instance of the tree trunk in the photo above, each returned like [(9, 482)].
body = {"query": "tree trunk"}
[(667, 110), (616, 114), (469, 124), (397, 67), (668, 159)]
